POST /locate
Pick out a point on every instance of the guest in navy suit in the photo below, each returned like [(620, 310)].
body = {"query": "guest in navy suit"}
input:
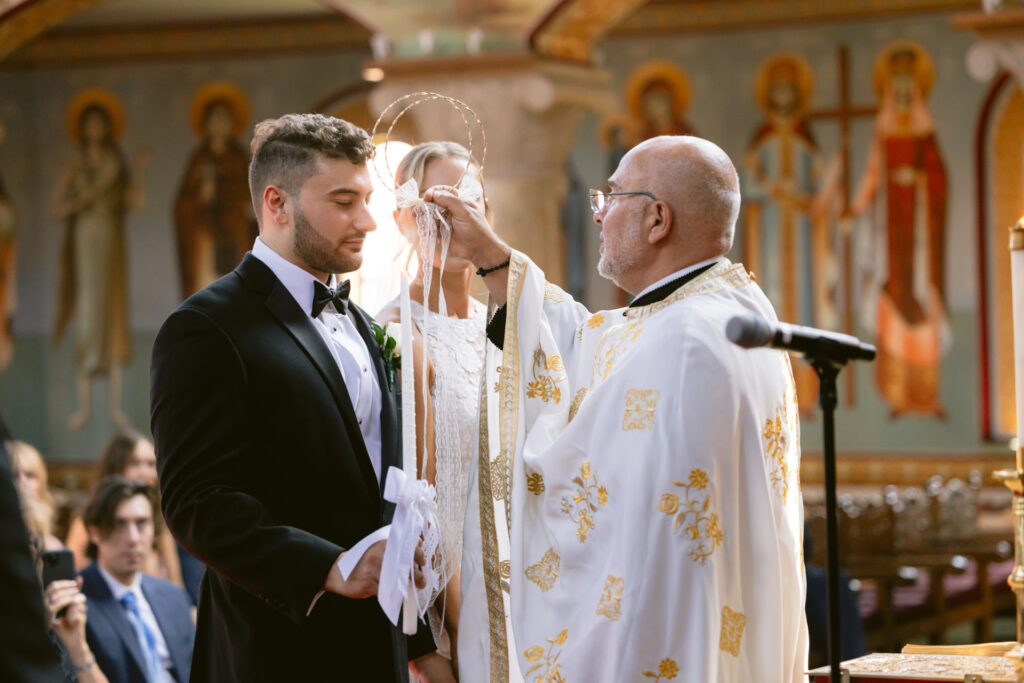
[(140, 628)]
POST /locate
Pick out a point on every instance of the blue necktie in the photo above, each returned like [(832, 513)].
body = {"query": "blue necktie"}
[(147, 641)]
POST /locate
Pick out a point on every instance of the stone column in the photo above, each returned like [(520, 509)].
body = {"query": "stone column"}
[(530, 109)]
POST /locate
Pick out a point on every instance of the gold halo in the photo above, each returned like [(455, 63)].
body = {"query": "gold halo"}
[(99, 97), (657, 71), (804, 80), (420, 98), (227, 92), (924, 68)]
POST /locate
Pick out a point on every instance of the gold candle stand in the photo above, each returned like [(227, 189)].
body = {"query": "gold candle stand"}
[(1014, 479)]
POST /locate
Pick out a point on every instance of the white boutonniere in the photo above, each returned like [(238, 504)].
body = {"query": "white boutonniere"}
[(390, 345)]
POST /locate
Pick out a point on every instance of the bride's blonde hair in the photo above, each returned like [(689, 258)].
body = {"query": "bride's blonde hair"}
[(414, 163)]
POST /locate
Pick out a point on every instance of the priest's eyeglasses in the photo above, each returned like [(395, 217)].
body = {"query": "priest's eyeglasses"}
[(600, 200)]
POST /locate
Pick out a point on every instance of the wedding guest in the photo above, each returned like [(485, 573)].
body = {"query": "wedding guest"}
[(30, 473), (140, 627), (26, 652), (130, 454)]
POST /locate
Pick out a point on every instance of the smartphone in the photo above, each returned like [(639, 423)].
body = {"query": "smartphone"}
[(58, 565)]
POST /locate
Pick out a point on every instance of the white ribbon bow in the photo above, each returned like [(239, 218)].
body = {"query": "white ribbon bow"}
[(415, 517)]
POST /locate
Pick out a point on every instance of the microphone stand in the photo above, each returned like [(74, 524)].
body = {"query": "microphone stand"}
[(828, 370)]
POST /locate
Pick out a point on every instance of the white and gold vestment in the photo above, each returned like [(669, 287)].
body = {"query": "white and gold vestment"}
[(640, 503)]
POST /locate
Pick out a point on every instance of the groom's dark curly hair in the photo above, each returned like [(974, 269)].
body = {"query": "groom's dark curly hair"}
[(285, 151)]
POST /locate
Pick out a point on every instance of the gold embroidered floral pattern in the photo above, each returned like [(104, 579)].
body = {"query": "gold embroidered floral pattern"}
[(611, 345), (610, 604), (733, 624), (535, 483), (667, 670), (545, 572), (543, 385), (775, 449), (545, 660), (576, 401), (553, 293), (584, 503), (640, 405), (595, 321), (692, 513), (498, 477)]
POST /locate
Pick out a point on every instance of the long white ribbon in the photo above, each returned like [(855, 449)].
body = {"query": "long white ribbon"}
[(408, 384), (415, 518), (415, 500)]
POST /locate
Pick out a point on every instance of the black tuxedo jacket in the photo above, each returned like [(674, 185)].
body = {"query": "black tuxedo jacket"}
[(265, 478), (112, 637)]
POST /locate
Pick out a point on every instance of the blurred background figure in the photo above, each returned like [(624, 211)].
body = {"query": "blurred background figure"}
[(132, 455), (25, 651), (29, 472), (141, 627)]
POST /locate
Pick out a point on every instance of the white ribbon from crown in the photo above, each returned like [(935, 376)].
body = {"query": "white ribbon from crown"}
[(415, 518)]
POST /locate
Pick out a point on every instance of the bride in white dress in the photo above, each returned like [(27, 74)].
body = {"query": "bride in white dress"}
[(455, 359)]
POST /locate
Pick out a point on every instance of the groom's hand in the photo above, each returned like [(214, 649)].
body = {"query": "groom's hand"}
[(365, 578)]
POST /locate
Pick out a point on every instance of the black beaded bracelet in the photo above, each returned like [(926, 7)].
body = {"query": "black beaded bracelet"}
[(485, 271)]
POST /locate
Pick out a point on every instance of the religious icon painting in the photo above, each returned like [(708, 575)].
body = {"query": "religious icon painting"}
[(657, 97), (904, 194), (95, 191), (213, 213), (787, 240)]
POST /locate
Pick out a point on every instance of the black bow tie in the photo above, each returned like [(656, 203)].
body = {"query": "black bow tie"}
[(323, 295)]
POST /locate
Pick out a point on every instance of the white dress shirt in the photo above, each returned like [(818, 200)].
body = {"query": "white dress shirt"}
[(343, 340), (119, 590)]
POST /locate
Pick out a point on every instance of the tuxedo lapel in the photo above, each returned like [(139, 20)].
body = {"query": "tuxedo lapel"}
[(103, 606), (389, 408), (300, 328)]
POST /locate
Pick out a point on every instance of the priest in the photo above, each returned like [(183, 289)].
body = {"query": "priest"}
[(639, 502)]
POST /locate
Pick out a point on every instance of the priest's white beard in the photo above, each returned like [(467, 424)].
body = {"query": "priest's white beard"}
[(621, 253)]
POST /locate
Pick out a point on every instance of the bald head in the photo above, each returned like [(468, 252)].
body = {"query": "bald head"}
[(700, 184)]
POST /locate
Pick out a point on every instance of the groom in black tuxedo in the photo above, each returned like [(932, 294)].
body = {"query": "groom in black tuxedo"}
[(275, 426)]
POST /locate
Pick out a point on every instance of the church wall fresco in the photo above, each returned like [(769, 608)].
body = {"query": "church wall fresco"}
[(168, 112), (831, 234), (736, 90)]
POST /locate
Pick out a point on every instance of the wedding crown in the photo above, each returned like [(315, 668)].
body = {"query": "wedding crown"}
[(410, 101)]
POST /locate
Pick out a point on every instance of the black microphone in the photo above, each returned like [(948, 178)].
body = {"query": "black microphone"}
[(750, 331)]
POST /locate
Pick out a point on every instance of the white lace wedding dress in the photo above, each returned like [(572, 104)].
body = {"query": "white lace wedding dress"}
[(456, 347)]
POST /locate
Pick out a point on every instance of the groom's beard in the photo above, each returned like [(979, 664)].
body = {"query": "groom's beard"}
[(317, 252)]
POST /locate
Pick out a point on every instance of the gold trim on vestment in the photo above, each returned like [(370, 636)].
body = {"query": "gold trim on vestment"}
[(508, 401), (725, 275), (489, 545)]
